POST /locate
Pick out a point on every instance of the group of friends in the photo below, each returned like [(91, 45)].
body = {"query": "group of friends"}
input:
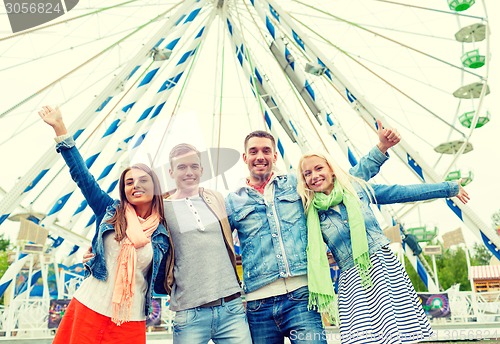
[(180, 243)]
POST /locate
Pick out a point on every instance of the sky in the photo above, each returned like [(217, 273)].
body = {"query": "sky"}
[(44, 56)]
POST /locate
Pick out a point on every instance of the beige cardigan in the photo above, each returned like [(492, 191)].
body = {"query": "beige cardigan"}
[(215, 202)]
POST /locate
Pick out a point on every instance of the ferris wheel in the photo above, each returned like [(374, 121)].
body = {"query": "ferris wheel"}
[(137, 76)]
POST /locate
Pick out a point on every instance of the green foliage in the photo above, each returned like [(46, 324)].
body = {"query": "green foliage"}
[(495, 217), (4, 257), (4, 243), (414, 278), (4, 246), (481, 255), (4, 263), (452, 267)]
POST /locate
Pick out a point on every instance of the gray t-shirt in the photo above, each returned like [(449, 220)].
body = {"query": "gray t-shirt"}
[(202, 269)]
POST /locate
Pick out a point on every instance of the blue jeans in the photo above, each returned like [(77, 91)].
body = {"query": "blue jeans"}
[(276, 317), (225, 324)]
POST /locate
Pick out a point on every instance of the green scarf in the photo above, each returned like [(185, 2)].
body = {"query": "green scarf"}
[(321, 293)]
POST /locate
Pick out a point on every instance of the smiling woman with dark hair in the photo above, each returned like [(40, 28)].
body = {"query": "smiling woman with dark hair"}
[(129, 245)]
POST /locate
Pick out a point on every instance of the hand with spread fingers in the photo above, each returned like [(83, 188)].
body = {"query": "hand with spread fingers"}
[(462, 195), (53, 117)]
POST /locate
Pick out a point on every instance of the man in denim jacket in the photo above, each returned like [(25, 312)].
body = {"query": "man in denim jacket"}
[(268, 214)]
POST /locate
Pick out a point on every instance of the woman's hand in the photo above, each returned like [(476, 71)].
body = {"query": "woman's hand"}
[(387, 137), (462, 195), (88, 256), (53, 117)]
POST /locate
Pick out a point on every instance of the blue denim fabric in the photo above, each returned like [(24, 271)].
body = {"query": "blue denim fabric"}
[(276, 317), (335, 227), (273, 237), (224, 324), (104, 207)]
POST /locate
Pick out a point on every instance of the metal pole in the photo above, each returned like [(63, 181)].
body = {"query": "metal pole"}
[(469, 275), (435, 270)]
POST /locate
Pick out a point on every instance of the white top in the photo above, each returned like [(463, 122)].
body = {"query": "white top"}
[(202, 269), (97, 295)]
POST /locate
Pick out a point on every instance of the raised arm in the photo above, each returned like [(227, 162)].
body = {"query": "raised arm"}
[(97, 199), (388, 137), (369, 165)]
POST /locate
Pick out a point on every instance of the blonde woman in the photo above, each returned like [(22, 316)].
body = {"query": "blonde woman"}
[(376, 300)]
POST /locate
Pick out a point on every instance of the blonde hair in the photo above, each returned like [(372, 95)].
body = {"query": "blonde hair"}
[(340, 176)]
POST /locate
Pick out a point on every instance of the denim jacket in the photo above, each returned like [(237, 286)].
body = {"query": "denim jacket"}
[(104, 208), (335, 226), (273, 237)]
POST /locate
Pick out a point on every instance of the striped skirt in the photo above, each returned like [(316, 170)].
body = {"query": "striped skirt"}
[(387, 312)]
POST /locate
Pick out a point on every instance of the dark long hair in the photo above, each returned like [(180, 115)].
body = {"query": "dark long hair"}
[(118, 220)]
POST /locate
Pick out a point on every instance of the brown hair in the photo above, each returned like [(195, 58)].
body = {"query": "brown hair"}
[(118, 220), (260, 133)]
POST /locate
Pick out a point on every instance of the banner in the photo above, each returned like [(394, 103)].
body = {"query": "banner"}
[(154, 318), (435, 305), (393, 233), (453, 238), (56, 311)]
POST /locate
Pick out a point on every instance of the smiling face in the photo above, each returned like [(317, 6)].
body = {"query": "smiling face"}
[(317, 174), (259, 156), (186, 170), (138, 187)]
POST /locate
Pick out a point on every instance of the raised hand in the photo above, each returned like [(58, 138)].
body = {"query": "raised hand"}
[(53, 117), (388, 137)]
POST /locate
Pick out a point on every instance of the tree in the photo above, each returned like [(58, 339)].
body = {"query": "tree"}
[(4, 257), (481, 255), (414, 278), (495, 217), (4, 246), (4, 262), (4, 243), (452, 269)]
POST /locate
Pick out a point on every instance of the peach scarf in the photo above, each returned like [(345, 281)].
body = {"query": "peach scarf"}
[(138, 234)]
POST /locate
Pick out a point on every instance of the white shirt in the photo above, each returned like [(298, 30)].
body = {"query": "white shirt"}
[(97, 295)]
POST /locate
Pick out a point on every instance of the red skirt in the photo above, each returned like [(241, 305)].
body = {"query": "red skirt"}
[(81, 325)]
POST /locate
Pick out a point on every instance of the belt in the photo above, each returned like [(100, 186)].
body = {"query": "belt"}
[(219, 302)]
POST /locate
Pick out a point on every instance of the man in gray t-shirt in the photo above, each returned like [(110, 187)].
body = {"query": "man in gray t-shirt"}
[(200, 274)]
